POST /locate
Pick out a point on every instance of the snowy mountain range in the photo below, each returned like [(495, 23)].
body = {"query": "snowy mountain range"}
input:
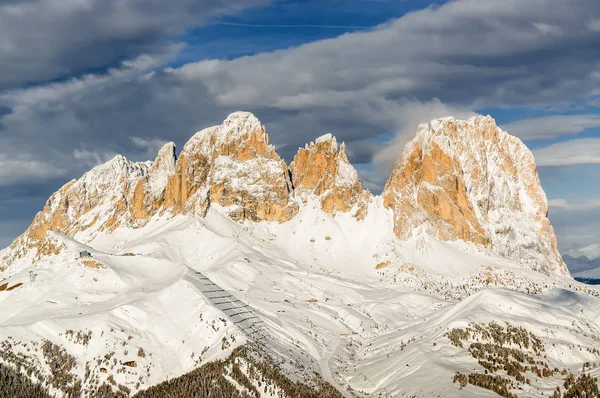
[(296, 278), (580, 263)]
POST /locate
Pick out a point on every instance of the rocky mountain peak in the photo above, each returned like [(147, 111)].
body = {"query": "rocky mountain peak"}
[(240, 135), (232, 165), (166, 158), (322, 170), (469, 180)]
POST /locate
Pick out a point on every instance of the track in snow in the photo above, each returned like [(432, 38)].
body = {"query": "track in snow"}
[(240, 313), (254, 328)]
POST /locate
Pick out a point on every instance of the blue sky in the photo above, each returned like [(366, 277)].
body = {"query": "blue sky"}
[(93, 74)]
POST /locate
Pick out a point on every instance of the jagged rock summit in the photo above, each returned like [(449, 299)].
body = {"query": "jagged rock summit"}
[(322, 170), (457, 180), (470, 180), (232, 165)]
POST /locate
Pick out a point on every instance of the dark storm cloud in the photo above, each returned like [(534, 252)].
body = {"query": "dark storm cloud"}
[(466, 53), (49, 39), (4, 110)]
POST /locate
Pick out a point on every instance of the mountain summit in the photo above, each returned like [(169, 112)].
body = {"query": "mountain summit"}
[(470, 180), (457, 180)]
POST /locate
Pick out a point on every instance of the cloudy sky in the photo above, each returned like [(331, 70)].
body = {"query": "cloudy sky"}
[(82, 80)]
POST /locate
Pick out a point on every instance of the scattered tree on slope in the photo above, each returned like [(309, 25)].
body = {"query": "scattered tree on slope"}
[(212, 380), (511, 357), (15, 384)]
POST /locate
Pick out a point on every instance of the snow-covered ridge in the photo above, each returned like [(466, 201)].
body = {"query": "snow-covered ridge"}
[(457, 180), (188, 290)]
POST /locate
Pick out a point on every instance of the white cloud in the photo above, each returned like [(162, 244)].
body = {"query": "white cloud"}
[(443, 60), (548, 28), (559, 203), (568, 153), (91, 159), (564, 205), (548, 127), (42, 40), (151, 146), (440, 61), (592, 251), (594, 24), (409, 116), (32, 171), (53, 92), (577, 225)]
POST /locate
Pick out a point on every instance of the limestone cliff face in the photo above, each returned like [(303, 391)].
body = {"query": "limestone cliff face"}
[(322, 170), (470, 180), (232, 165), (149, 195), (99, 201)]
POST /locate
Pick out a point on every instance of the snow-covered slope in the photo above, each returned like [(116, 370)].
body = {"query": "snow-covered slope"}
[(197, 254), (592, 274)]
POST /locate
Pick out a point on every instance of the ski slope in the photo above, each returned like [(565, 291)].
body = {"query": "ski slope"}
[(189, 290)]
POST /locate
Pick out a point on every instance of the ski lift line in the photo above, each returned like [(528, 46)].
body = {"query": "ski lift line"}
[(230, 300), (245, 321), (220, 301), (228, 309), (231, 308), (238, 312), (223, 300), (240, 317), (242, 313)]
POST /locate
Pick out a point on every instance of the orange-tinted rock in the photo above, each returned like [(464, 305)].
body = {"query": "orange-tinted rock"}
[(233, 165), (149, 195), (471, 181), (323, 171), (98, 201), (457, 180)]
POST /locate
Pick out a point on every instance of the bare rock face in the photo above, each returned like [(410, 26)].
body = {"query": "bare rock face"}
[(232, 165), (322, 170), (99, 201), (471, 181), (149, 194)]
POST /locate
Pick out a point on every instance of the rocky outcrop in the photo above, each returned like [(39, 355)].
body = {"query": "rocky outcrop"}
[(322, 170), (232, 165), (149, 195), (470, 180), (99, 202)]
